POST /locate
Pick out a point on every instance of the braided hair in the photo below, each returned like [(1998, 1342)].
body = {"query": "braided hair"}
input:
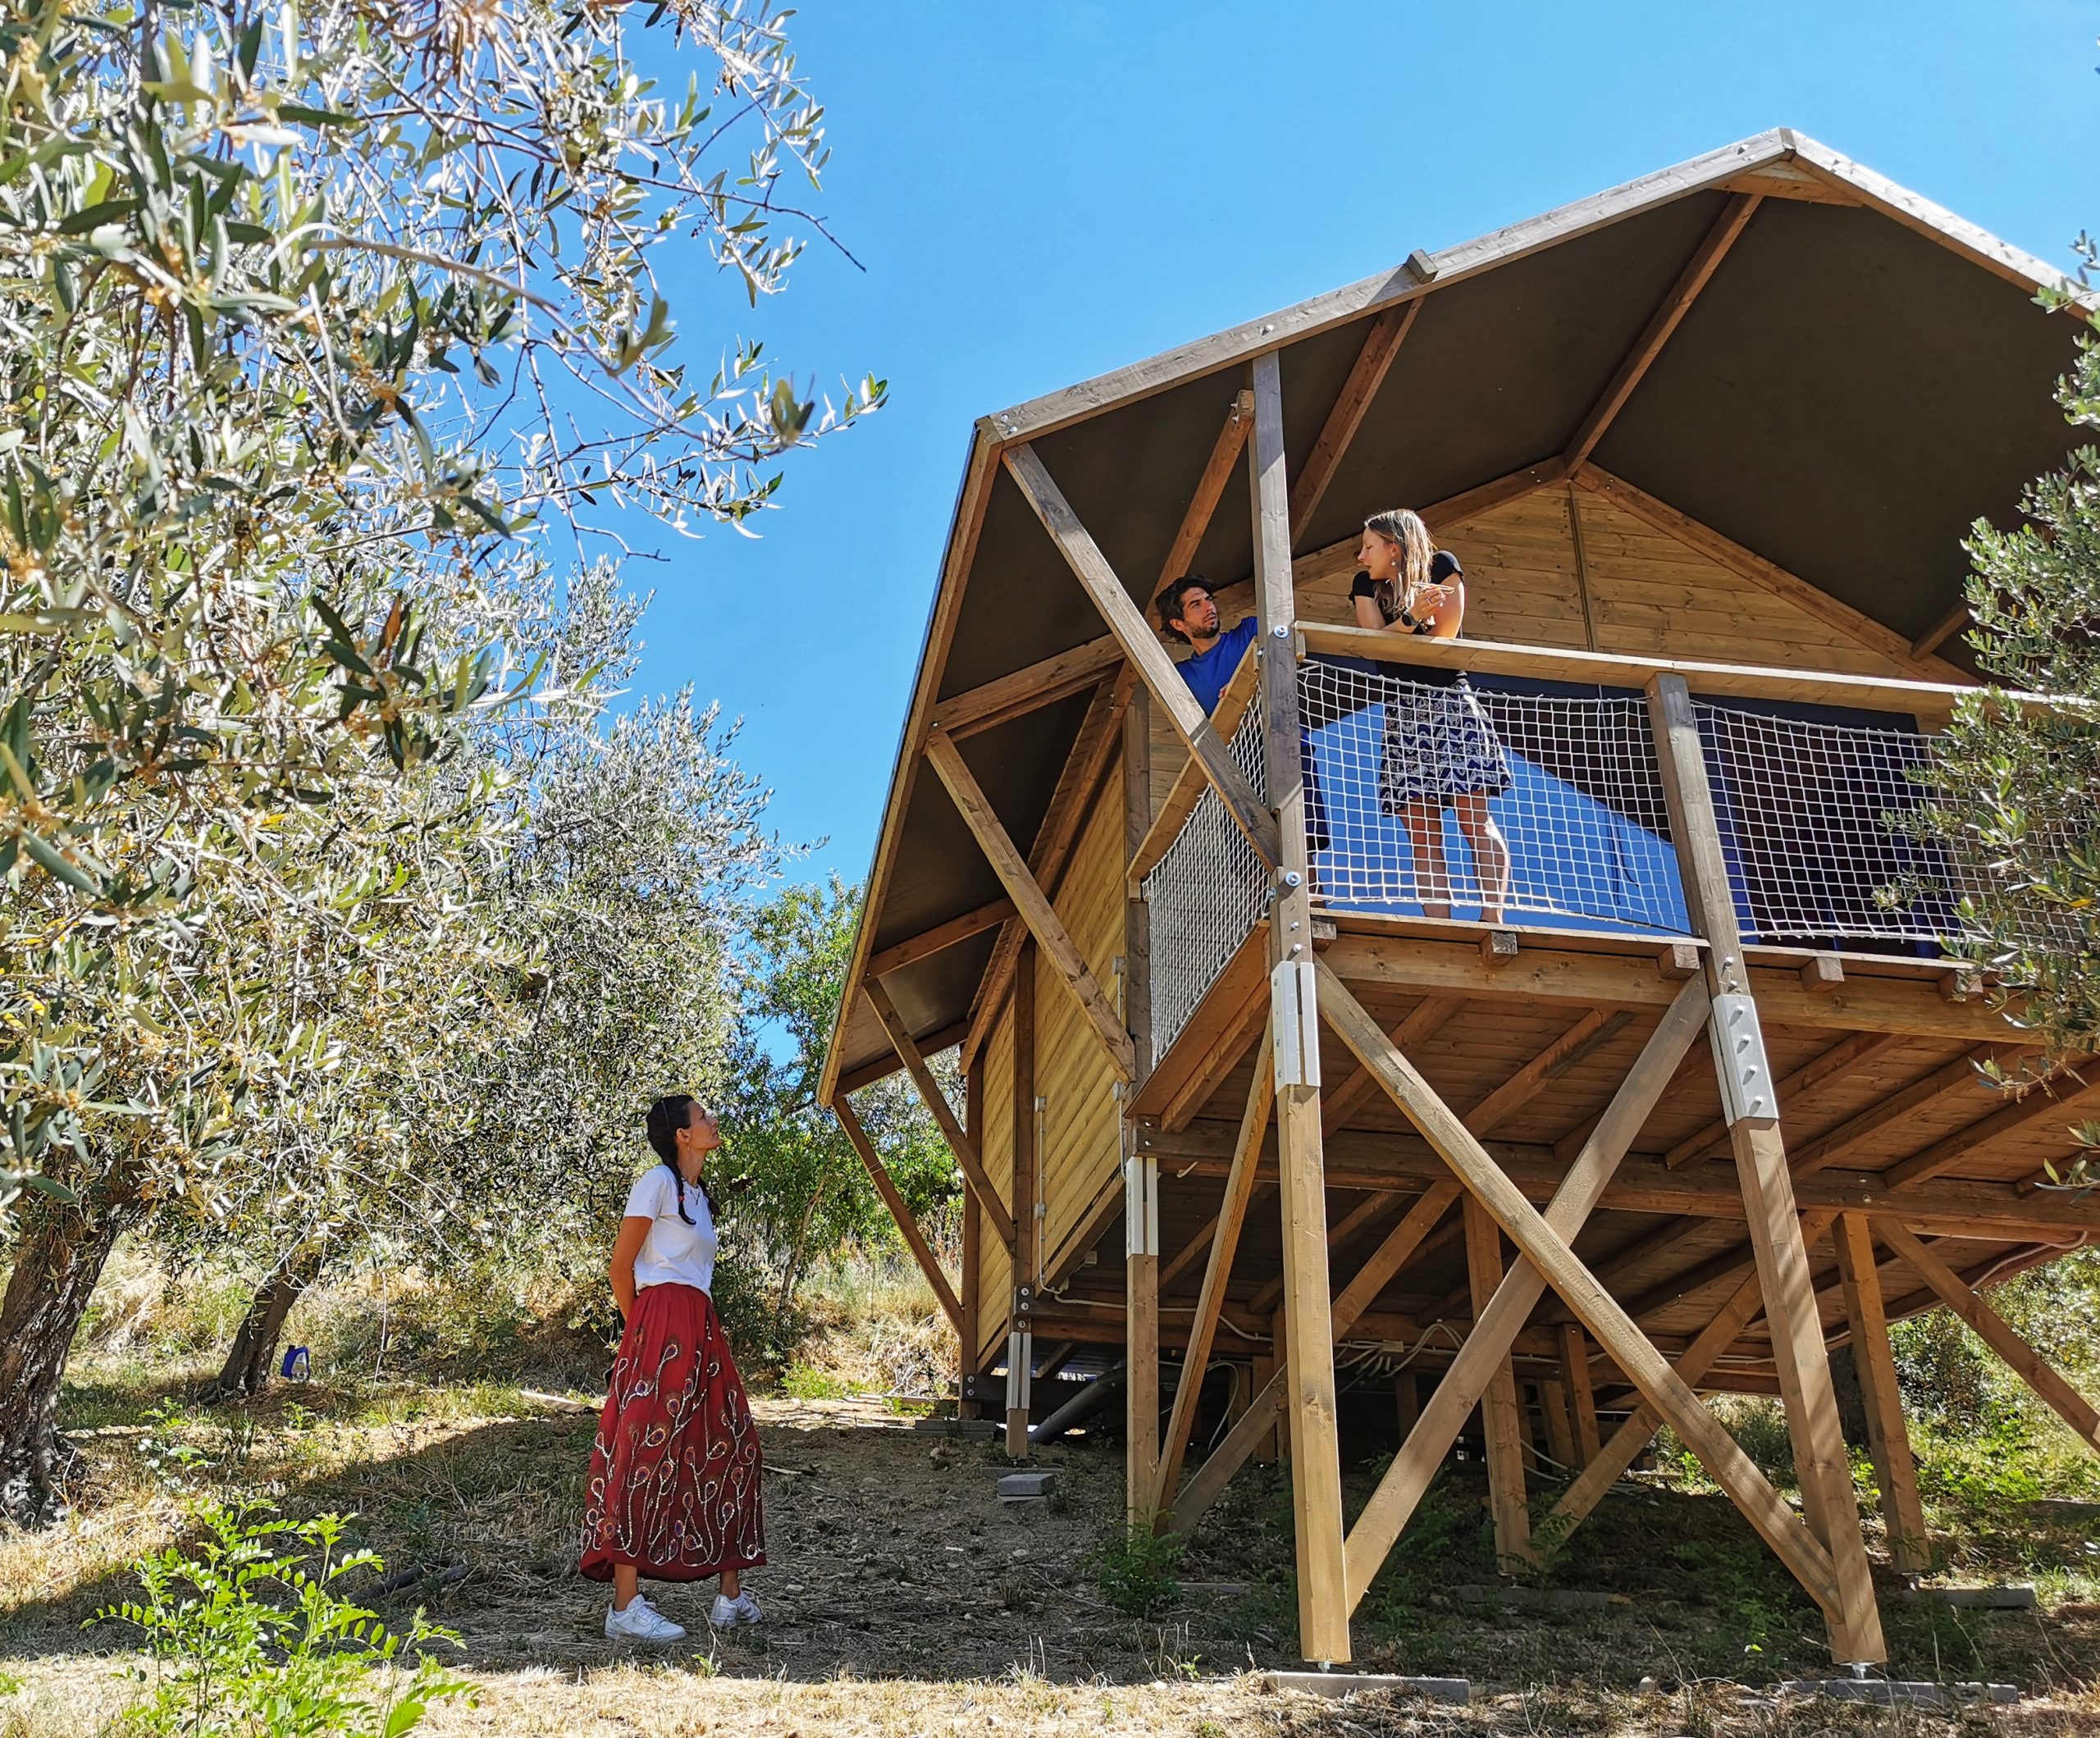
[(666, 1116)]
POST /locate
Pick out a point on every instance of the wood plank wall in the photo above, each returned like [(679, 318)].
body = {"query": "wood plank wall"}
[(1081, 1154), (995, 1270), (1647, 594)]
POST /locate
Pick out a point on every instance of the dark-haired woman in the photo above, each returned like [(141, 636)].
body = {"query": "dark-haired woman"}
[(674, 1491), (1441, 751)]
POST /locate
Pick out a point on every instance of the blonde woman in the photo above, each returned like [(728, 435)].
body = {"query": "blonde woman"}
[(1440, 752)]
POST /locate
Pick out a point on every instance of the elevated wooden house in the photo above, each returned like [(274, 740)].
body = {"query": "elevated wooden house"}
[(1708, 1103)]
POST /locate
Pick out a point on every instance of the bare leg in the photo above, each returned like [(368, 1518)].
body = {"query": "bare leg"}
[(732, 1584), (626, 1582), (1432, 880), (1490, 853)]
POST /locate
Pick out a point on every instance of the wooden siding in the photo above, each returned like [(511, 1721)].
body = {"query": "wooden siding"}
[(1080, 1149), (996, 1273)]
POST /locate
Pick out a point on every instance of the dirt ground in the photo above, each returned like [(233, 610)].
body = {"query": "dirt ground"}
[(902, 1595)]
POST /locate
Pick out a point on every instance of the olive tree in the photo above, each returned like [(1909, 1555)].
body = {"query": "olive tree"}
[(319, 321)]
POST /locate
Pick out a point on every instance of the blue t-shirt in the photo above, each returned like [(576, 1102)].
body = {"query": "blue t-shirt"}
[(1207, 673)]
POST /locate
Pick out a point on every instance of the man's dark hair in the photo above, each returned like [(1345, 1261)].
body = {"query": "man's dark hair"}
[(1170, 601)]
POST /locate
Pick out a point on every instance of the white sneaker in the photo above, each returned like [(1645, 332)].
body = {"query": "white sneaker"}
[(728, 1613), (641, 1622)]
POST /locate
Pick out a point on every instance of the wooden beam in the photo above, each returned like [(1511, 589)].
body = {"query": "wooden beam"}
[(1316, 1472), (1594, 1030), (1095, 751), (1338, 1233), (1189, 786), (1501, 1424), (1621, 1341), (907, 1227), (1500, 1316), (1770, 1207), (1225, 1053), (941, 937), (2041, 1101), (1956, 1080), (1847, 1057), (1210, 489), (1581, 1394), (1768, 575), (1994, 1331), (1388, 330), (883, 1067), (1424, 1018), (937, 1102), (1036, 909), (1040, 684), (1210, 1301), (1942, 630), (1875, 1360), (1950, 1207), (1142, 647), (1705, 260), (1903, 693)]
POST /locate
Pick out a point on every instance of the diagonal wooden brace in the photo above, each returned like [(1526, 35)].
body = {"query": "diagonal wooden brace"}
[(1393, 1503), (1591, 1305)]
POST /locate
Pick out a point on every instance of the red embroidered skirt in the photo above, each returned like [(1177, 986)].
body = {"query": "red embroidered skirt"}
[(674, 1474)]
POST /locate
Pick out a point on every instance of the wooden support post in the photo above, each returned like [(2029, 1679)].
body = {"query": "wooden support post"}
[(936, 1101), (1581, 1393), (1994, 1330), (1295, 1032), (1895, 1474), (1142, 647), (1803, 1553), (1752, 1104), (907, 1226), (1034, 907), (1407, 1401), (1141, 1335), (1210, 1302), (1501, 1423)]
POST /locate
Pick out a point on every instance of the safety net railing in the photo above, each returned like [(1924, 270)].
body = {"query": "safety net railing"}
[(1470, 800), (1204, 895)]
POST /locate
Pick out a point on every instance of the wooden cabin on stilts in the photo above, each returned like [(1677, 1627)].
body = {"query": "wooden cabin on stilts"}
[(1709, 1100)]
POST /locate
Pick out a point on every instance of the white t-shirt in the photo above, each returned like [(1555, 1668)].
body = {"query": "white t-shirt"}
[(673, 1253)]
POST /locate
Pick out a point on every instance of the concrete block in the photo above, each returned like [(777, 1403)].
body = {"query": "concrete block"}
[(1339, 1684), (2018, 1597), (1887, 1692), (1024, 1487)]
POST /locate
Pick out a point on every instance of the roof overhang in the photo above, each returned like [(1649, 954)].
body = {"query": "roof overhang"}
[(1862, 377)]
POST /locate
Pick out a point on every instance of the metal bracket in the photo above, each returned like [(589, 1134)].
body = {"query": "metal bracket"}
[(1141, 1205), (1294, 1023), (1747, 1090)]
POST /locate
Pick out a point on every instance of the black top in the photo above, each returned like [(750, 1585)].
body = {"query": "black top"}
[(1443, 569)]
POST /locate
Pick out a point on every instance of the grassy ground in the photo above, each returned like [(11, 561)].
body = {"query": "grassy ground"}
[(902, 1596)]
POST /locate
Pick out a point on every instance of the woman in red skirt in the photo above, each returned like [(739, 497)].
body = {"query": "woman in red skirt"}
[(674, 1493)]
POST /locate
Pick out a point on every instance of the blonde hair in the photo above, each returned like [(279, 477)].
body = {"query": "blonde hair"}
[(1403, 525)]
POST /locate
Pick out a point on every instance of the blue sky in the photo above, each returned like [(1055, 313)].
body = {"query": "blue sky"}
[(1042, 192)]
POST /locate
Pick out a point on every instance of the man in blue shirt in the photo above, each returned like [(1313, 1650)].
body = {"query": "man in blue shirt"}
[(1188, 612)]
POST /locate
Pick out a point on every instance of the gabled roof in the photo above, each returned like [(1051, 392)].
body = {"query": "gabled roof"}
[(1862, 377)]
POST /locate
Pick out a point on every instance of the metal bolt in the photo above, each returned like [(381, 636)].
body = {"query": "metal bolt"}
[(1291, 877), (1282, 630)]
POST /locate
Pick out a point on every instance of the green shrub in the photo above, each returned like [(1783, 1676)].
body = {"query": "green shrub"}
[(250, 1640), (803, 1383), (1135, 1569)]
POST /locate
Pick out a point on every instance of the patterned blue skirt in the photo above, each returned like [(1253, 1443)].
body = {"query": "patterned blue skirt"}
[(1439, 747)]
